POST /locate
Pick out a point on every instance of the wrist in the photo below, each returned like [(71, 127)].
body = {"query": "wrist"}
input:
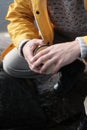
[(22, 48), (21, 45)]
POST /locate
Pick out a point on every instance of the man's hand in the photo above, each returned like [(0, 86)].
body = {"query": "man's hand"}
[(28, 50), (58, 54)]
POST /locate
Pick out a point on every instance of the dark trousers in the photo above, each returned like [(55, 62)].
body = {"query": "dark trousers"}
[(19, 107)]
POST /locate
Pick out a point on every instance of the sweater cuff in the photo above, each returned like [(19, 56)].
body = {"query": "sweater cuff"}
[(21, 44), (83, 47)]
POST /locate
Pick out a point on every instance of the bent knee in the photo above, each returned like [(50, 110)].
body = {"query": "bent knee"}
[(6, 65)]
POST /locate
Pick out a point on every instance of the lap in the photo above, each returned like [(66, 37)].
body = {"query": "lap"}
[(19, 106), (16, 66)]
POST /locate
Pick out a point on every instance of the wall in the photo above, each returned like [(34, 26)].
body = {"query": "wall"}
[(3, 10)]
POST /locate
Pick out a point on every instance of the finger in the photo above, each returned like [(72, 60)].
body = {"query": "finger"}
[(42, 60), (48, 66), (40, 54), (37, 69), (32, 45), (57, 67), (36, 42)]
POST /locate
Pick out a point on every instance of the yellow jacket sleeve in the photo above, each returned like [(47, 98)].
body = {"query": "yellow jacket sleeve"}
[(21, 19)]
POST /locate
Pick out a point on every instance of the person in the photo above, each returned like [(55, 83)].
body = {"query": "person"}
[(59, 24), (25, 36)]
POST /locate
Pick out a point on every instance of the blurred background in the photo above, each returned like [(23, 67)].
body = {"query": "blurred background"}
[(4, 36), (3, 10)]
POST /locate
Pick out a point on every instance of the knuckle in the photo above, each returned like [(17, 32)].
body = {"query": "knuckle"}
[(41, 60)]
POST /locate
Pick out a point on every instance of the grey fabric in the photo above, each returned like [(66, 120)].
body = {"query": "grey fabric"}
[(83, 47), (16, 66), (69, 16)]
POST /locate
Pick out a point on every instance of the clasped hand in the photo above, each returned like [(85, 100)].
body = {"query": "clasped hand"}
[(59, 55)]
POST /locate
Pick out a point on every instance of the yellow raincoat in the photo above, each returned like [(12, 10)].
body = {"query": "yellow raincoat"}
[(22, 15)]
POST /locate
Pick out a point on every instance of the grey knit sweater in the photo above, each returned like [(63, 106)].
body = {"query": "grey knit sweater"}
[(69, 16)]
